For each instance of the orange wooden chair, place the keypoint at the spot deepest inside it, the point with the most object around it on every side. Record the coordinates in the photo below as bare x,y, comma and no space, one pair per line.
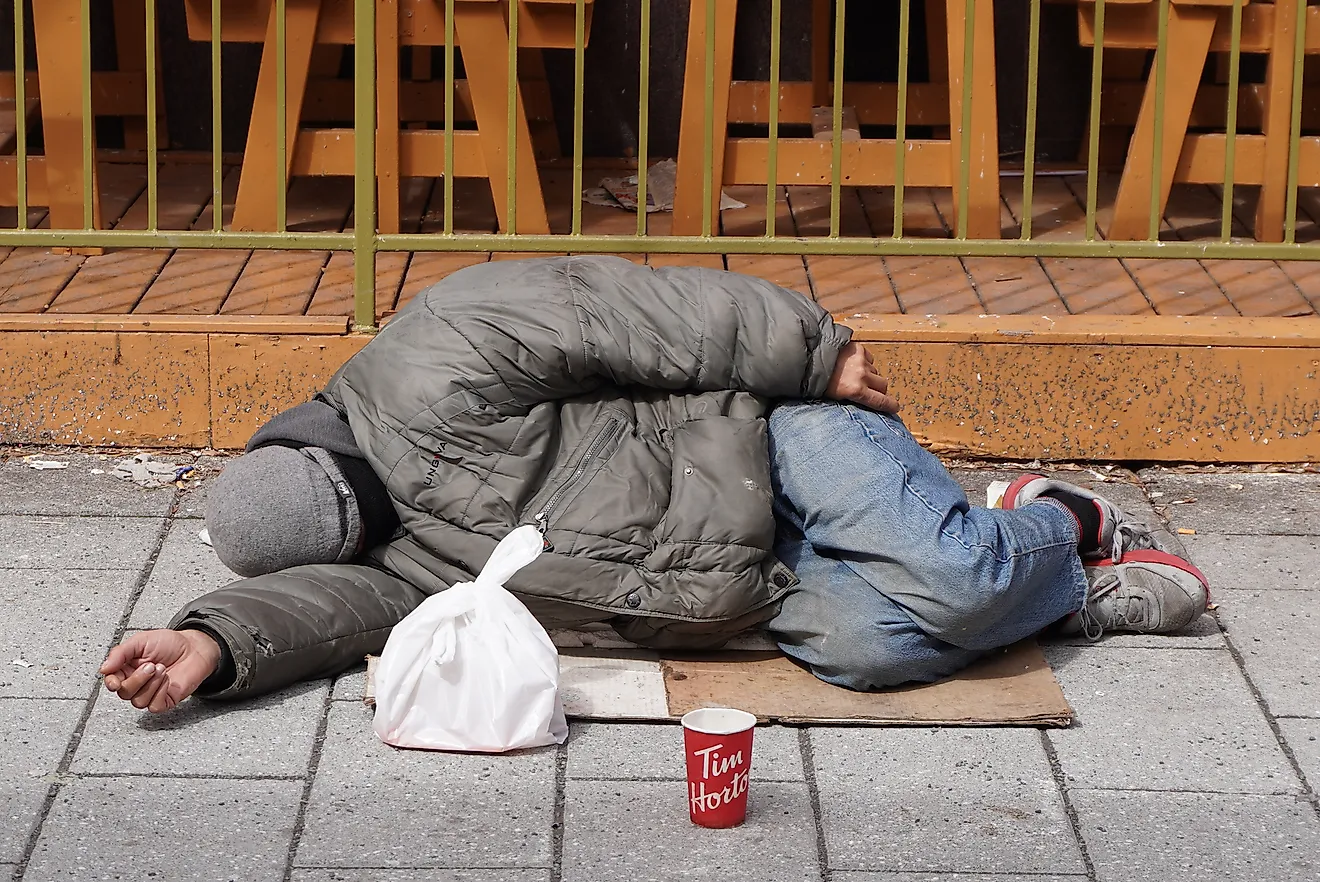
54,95
930,162
1195,30
399,151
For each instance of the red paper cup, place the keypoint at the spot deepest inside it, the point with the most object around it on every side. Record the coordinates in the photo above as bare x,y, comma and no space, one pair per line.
718,745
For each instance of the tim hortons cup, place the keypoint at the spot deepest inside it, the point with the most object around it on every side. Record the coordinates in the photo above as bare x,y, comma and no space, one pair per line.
718,745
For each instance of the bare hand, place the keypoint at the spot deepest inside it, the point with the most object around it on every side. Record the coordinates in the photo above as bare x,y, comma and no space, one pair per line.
855,379
158,669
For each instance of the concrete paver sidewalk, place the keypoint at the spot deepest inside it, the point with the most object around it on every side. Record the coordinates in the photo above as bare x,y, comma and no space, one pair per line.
1193,757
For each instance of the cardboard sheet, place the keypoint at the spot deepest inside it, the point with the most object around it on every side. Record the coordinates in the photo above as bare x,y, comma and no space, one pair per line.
603,677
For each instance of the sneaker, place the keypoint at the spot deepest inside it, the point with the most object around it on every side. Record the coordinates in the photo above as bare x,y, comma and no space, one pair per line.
1119,532
1149,592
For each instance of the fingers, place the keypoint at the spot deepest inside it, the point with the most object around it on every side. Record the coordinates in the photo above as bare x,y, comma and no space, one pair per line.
120,657
876,400
133,684
148,692
877,382
123,660
163,699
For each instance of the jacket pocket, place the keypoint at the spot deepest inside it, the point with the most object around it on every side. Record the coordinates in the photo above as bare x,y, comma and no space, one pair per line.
720,490
567,484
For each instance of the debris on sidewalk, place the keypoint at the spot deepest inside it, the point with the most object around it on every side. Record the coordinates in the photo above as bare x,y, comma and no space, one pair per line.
41,465
205,536
622,192
146,471
22,663
994,494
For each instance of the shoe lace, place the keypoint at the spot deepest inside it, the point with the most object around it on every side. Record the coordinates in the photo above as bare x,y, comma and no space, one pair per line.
1131,535
1129,610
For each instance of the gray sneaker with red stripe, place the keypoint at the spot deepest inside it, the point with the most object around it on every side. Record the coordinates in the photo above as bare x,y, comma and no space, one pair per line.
1149,592
1119,532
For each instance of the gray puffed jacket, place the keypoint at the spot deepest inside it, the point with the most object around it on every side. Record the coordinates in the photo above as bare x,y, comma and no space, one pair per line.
618,407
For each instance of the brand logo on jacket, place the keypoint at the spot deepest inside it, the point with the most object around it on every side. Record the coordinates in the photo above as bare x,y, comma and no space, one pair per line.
436,457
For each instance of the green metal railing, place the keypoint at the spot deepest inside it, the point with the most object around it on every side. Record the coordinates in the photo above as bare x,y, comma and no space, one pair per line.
365,242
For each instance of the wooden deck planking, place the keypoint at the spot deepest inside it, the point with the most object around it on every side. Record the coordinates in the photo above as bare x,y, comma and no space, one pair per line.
282,282
1172,286
114,282
785,270
842,283
1006,285
1304,274
200,281
195,281
922,285
334,294
1086,284
1254,287
474,212
32,278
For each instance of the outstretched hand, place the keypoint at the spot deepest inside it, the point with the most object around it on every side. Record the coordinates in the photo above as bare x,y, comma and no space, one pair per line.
158,669
855,379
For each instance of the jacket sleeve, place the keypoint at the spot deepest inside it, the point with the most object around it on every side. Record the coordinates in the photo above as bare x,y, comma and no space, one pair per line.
525,332
298,624
689,327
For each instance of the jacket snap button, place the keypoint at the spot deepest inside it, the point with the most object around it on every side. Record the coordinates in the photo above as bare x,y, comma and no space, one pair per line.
688,471
780,580
633,601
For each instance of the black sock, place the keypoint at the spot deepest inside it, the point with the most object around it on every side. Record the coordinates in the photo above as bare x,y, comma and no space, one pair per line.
1088,518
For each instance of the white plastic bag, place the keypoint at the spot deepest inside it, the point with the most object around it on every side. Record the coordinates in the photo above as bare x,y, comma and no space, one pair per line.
470,669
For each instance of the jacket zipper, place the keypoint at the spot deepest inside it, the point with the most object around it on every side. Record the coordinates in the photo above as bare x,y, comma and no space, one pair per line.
602,441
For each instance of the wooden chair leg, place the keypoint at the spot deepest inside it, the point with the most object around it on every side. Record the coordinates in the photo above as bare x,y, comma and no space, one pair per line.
691,130
536,86
1120,66
482,27
822,53
254,207
1189,33
983,177
937,59
387,116
58,25
131,49
1277,123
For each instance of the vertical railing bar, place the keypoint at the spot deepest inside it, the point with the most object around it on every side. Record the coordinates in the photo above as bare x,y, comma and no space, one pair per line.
88,121
20,113
965,142
900,123
1157,142
1230,143
1295,126
511,123
153,171
1033,93
643,113
772,155
708,121
449,118
836,145
281,116
364,163
217,142
1093,147
579,88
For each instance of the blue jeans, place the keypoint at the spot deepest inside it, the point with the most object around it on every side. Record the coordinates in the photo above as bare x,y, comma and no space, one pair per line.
901,580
